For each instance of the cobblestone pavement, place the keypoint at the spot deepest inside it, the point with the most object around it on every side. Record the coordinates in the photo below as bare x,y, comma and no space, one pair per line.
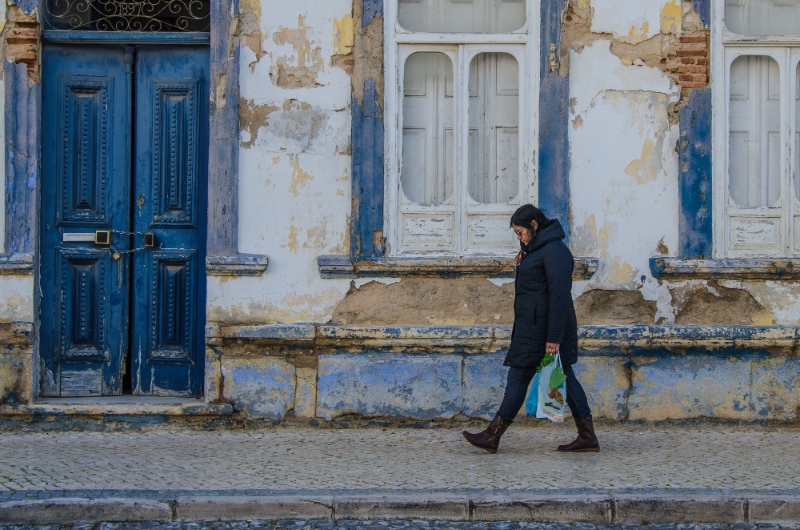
391,525
307,460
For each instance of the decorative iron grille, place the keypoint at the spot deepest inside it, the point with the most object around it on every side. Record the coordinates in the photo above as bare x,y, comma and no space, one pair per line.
128,15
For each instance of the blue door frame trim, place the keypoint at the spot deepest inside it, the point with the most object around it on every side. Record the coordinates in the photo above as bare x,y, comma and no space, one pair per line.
695,158
553,169
22,159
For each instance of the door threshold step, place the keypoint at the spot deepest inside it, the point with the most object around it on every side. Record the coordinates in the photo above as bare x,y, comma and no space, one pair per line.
119,406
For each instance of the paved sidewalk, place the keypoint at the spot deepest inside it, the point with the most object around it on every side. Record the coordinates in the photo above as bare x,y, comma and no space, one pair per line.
672,475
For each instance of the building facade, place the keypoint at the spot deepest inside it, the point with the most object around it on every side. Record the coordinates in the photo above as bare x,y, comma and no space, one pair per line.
255,210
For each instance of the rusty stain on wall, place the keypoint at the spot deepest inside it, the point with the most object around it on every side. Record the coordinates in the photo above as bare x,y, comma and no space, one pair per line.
426,301
614,307
301,70
712,304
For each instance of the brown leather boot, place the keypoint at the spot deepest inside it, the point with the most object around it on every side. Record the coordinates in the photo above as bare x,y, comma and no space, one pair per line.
490,438
586,440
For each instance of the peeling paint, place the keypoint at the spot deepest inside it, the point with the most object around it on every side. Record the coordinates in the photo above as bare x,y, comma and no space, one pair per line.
671,17
301,70
249,28
343,35
252,117
299,176
646,168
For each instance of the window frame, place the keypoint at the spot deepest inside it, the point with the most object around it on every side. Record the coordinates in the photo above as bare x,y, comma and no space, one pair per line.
399,43
727,46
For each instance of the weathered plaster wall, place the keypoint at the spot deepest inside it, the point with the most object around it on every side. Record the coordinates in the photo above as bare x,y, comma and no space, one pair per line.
294,160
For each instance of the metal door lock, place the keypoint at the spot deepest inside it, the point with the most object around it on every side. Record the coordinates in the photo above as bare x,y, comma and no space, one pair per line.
102,237
149,239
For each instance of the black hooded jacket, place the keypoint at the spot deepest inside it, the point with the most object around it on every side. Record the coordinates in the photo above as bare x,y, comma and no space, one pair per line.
543,309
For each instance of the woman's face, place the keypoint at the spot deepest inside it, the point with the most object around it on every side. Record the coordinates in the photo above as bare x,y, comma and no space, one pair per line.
524,234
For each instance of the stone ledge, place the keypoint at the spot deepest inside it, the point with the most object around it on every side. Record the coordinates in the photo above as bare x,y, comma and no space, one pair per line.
491,338
332,267
16,264
733,269
238,265
118,406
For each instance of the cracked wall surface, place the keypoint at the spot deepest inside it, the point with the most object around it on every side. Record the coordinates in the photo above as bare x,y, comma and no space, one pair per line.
311,169
294,160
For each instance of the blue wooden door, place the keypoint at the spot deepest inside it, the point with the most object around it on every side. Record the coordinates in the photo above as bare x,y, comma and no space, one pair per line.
125,136
171,162
86,182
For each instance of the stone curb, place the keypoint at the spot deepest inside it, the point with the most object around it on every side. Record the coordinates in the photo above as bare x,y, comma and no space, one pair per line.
83,510
596,509
238,508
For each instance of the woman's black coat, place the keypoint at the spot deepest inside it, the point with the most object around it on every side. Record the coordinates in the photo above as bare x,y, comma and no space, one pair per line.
543,309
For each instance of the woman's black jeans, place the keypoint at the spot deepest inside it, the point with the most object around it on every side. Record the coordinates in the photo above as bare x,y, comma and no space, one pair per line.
517,391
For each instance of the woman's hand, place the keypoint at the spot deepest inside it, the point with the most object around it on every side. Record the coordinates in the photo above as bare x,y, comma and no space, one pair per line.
551,348
518,258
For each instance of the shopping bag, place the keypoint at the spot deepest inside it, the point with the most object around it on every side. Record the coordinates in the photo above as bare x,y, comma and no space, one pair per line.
552,389
533,397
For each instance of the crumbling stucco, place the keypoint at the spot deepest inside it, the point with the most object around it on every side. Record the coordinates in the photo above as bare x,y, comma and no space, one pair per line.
20,39
252,117
677,46
712,304
250,29
300,70
428,301
602,307
343,42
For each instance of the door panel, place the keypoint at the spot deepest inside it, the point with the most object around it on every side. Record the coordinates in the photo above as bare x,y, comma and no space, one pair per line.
170,175
85,182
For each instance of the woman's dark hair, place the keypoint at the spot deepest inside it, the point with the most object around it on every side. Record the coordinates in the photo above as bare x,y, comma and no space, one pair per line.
527,214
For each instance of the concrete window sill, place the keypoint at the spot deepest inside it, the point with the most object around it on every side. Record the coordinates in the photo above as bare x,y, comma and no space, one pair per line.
343,267
16,264
599,339
238,265
733,269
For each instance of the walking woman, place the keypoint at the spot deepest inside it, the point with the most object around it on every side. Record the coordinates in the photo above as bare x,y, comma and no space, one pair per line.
544,322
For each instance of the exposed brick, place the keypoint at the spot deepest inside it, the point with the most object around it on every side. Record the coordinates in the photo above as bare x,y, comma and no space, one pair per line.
697,38
700,77
15,40
702,60
686,77
689,60
692,53
692,69
692,84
